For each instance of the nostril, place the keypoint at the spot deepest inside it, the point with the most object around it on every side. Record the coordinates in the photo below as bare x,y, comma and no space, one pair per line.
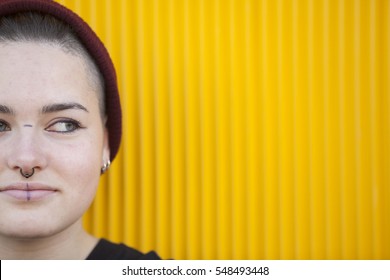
27,174
25,150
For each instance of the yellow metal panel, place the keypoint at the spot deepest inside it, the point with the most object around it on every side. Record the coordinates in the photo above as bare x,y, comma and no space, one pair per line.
332,111
131,170
239,128
193,128
178,129
163,153
255,170
301,133
253,129
223,138
384,86
271,129
146,18
286,129
208,130
316,129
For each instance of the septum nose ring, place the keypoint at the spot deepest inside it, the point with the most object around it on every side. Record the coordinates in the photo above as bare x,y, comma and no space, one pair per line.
27,175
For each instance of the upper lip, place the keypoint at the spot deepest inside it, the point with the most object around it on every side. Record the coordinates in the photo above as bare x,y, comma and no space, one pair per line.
27,187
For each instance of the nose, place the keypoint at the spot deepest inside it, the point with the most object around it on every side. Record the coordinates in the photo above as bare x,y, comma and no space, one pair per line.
25,152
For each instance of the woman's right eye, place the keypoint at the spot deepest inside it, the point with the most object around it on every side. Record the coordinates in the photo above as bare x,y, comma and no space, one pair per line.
4,126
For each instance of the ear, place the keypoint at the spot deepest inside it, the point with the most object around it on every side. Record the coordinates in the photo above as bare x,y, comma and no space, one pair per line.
106,147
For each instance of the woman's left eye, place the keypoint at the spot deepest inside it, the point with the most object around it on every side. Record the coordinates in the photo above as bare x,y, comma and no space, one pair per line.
64,126
4,126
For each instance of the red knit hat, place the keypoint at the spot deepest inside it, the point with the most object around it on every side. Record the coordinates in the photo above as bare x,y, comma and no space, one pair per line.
95,48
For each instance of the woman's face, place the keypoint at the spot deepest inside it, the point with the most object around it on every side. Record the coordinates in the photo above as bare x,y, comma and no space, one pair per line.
49,121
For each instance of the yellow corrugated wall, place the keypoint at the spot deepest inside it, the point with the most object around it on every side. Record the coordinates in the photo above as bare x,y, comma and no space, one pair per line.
252,129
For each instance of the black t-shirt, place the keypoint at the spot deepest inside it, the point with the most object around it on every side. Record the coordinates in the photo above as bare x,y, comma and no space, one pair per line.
106,250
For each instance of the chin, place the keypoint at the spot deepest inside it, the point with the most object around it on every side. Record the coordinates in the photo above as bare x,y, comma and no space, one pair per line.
30,229
28,233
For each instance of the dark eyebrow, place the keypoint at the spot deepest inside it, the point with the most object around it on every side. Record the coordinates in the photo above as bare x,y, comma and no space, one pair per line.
52,108
6,110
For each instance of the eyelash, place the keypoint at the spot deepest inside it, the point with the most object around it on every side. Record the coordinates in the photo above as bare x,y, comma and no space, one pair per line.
75,123
4,126
76,126
7,126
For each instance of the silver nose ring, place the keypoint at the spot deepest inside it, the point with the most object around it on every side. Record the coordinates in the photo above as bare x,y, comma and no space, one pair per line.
27,175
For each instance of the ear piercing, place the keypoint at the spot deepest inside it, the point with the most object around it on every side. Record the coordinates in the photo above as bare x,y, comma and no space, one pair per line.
27,175
105,167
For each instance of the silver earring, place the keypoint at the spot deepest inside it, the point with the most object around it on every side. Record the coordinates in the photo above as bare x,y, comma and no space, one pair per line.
27,175
105,167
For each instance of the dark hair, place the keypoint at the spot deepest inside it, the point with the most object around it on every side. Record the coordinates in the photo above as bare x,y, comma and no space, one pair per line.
38,27
78,31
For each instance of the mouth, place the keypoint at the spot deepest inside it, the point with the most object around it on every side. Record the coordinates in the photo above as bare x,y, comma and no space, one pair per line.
27,191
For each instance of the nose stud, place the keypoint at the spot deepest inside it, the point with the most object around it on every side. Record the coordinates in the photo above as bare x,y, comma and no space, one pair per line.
27,175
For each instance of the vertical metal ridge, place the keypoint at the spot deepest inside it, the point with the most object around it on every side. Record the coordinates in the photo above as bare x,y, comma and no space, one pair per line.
357,122
178,144
286,128
386,88
263,148
148,128
301,181
341,57
255,123
375,122
333,119
224,172
310,122
208,129
349,135
194,118
128,75
279,124
294,91
162,99
325,61
238,95
232,131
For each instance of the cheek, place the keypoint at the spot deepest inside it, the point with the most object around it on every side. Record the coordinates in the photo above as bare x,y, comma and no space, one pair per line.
79,179
79,165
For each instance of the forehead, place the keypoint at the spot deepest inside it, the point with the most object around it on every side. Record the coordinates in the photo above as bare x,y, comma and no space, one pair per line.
32,71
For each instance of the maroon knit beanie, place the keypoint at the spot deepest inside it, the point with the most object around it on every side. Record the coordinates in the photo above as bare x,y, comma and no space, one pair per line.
95,48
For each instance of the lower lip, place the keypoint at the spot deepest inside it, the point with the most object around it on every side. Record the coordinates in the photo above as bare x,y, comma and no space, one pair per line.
30,195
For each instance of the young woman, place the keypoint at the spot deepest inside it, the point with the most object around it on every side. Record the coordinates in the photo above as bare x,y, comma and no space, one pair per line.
60,126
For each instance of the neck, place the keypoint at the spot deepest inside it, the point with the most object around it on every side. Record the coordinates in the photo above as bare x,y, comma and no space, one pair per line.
71,243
